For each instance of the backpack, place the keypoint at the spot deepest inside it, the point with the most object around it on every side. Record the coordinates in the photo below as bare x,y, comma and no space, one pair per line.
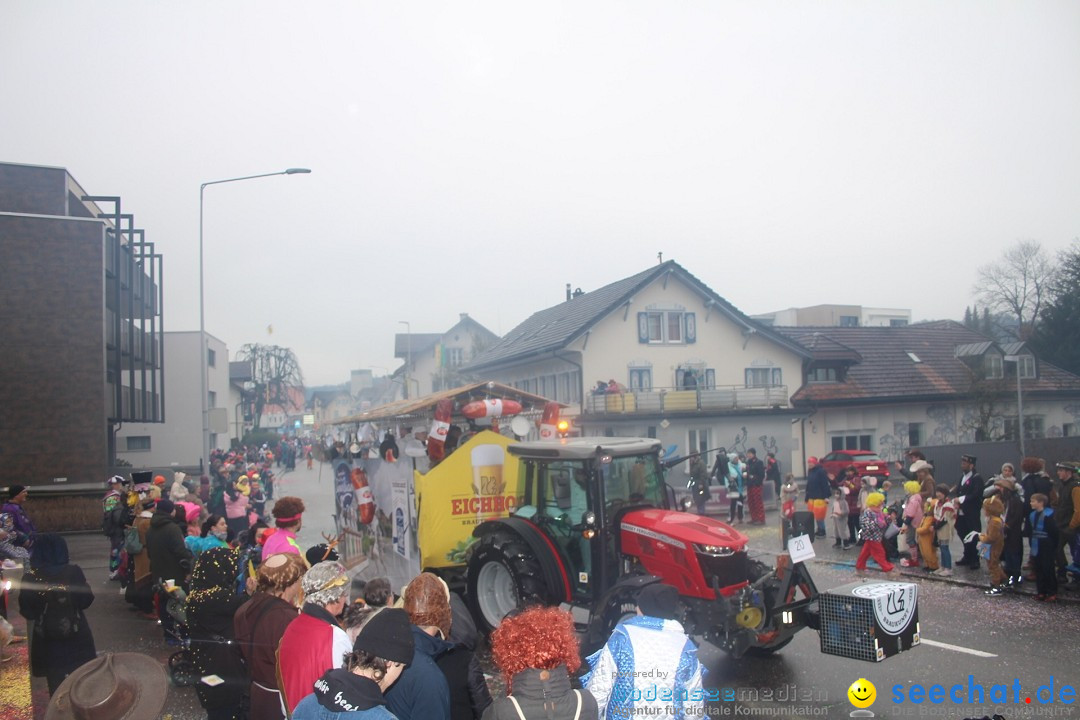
60,619
132,544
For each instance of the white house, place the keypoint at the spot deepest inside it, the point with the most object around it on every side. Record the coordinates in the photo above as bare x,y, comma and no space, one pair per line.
694,371
936,383
178,440
836,316
433,360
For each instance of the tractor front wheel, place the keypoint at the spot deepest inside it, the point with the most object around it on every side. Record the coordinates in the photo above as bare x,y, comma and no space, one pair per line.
503,576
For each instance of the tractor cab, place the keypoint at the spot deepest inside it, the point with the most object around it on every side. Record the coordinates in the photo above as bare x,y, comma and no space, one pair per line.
577,497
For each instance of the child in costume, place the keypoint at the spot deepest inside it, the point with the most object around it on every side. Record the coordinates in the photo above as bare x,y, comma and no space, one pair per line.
838,511
927,536
944,519
789,491
1044,542
8,549
993,542
872,523
913,516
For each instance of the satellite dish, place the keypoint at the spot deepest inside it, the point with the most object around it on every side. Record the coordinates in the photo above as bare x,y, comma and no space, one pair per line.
520,426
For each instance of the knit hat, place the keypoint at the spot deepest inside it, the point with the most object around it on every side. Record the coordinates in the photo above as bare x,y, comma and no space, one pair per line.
159,480
14,490
427,601
387,635
325,583
165,507
659,600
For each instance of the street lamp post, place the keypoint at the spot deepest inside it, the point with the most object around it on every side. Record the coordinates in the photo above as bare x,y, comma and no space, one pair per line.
408,353
1019,401
204,461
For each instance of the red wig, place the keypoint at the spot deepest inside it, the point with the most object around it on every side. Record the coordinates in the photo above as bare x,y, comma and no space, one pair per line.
541,638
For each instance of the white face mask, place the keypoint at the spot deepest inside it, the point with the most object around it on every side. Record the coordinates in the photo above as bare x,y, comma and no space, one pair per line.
220,534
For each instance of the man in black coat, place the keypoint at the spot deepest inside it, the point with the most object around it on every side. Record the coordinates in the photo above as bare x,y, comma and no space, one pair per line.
969,497
817,488
169,558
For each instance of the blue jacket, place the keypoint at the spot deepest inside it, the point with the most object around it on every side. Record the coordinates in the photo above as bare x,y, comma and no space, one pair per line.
421,693
340,695
817,484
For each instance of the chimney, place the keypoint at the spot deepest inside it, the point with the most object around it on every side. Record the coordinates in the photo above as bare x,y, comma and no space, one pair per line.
462,316
567,291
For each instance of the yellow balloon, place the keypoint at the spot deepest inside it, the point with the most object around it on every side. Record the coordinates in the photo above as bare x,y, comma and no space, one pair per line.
862,693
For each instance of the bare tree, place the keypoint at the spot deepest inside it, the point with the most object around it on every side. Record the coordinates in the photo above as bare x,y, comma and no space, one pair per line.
1017,285
275,372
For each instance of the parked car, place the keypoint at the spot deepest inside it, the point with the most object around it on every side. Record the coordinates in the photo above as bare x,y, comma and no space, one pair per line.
865,462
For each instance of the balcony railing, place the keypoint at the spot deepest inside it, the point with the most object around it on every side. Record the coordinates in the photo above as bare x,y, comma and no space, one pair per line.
677,400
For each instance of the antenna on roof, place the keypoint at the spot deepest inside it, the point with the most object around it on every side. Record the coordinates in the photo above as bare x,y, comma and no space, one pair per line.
660,258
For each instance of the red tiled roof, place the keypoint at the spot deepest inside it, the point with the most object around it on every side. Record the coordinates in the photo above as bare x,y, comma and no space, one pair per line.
912,361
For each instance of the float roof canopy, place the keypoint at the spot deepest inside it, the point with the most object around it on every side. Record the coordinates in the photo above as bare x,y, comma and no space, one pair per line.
423,407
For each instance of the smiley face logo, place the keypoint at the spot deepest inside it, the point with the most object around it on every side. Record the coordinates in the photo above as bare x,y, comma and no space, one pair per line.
862,693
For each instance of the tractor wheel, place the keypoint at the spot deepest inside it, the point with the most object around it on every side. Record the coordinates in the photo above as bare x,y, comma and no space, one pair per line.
620,606
503,576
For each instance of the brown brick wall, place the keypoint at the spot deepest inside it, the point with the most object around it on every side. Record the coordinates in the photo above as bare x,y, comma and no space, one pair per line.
32,190
52,361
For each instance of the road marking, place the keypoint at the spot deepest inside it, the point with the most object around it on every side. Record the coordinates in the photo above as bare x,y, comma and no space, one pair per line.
956,648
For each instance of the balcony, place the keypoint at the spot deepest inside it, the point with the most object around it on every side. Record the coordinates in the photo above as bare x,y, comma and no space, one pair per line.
663,401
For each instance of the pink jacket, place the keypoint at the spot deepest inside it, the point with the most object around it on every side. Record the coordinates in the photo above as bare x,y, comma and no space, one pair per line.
914,509
236,508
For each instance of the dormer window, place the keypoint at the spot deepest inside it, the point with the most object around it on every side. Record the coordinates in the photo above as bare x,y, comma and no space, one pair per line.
823,374
993,366
1026,367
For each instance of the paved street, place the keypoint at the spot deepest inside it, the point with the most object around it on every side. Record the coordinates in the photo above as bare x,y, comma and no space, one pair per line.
997,640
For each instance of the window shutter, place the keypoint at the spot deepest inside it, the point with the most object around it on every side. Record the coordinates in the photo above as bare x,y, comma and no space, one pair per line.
643,327
691,327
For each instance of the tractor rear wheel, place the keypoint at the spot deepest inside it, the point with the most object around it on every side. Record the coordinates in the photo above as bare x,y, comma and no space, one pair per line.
503,576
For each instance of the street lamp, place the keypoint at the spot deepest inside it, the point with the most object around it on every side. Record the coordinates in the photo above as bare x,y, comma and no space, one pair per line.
204,460
408,353
1019,400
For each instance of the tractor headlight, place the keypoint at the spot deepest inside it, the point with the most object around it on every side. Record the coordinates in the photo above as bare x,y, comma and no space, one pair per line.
714,550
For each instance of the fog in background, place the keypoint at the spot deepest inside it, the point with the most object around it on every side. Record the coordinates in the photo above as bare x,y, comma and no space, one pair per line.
477,156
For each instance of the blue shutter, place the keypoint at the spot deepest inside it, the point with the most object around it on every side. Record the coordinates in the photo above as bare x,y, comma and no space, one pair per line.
691,327
643,327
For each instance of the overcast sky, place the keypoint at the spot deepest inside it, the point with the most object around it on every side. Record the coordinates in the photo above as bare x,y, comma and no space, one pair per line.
477,156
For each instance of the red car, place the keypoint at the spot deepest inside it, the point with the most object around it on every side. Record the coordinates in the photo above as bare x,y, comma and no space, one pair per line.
865,462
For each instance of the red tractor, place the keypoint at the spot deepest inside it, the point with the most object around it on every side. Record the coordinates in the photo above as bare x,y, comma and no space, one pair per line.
596,524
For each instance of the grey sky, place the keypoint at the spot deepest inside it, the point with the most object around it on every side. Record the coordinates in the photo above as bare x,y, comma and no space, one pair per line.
477,156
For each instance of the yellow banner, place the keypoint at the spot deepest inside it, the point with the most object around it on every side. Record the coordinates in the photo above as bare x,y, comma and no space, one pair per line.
477,482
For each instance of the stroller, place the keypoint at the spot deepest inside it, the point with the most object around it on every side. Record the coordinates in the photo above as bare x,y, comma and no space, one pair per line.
181,667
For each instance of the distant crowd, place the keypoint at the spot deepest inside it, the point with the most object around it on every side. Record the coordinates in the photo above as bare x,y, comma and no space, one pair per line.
991,519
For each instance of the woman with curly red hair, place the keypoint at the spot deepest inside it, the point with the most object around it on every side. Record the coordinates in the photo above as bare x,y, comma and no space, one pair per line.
537,651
